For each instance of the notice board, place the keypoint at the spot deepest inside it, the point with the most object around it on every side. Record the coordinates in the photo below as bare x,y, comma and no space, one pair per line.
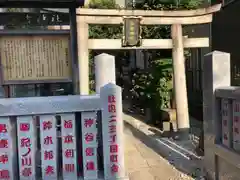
35,58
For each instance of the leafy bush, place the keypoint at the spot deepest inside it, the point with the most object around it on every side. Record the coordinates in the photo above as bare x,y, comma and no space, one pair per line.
102,4
153,88
168,4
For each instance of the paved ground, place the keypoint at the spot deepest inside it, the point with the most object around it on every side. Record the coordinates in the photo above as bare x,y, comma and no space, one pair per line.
143,163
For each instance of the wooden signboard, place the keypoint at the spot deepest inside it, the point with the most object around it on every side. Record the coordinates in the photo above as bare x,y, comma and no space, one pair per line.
37,58
132,32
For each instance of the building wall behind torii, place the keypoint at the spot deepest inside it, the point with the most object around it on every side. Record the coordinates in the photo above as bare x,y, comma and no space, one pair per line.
194,68
224,36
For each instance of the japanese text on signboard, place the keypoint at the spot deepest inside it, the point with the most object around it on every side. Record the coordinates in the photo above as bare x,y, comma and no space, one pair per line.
131,32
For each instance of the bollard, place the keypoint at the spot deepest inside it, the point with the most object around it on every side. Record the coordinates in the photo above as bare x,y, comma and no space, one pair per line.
104,70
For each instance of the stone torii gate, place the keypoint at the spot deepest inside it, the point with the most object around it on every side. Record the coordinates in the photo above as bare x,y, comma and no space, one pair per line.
174,18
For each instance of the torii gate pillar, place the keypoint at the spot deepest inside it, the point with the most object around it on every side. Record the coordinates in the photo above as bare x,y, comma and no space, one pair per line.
179,78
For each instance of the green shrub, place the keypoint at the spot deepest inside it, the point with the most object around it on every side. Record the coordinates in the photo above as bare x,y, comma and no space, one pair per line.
153,88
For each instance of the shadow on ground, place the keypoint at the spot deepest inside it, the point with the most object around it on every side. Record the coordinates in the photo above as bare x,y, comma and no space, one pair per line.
184,162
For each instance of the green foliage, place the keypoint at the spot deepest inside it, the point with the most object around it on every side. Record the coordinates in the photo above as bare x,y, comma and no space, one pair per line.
104,31
13,9
153,87
168,4
103,4
164,30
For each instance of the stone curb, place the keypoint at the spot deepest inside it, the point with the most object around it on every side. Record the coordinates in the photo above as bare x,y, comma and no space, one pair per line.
143,127
137,124
149,131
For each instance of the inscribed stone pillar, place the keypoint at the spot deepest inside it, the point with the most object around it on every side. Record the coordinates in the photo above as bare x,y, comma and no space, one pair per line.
216,73
112,132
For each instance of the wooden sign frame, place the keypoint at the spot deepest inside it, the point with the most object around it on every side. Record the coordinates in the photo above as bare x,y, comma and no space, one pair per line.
48,68
131,29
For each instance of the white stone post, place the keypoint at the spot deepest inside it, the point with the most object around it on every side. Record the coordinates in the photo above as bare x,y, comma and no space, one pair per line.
69,146
216,73
89,145
179,78
8,152
83,55
104,70
104,74
112,132
27,147
49,147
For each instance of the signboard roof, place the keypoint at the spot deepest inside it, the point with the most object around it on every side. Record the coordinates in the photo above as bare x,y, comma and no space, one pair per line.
42,3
